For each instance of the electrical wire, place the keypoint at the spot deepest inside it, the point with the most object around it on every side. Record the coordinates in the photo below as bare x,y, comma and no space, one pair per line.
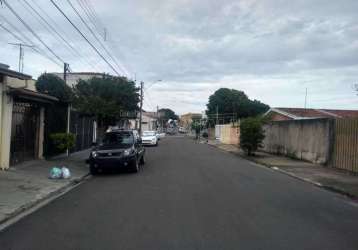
32,31
84,37
90,17
53,31
149,98
60,30
95,36
38,50
99,27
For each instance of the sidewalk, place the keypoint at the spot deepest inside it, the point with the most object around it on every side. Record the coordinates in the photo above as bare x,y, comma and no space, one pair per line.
328,178
27,184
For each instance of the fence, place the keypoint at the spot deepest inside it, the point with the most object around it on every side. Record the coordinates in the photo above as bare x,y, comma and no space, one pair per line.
82,127
227,134
307,139
345,146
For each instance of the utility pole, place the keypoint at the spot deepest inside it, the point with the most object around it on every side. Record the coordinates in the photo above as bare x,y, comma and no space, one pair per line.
217,114
141,106
21,54
157,117
65,71
66,67
306,99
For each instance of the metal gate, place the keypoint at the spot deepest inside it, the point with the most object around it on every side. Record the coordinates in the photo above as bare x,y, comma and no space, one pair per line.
24,132
82,128
345,148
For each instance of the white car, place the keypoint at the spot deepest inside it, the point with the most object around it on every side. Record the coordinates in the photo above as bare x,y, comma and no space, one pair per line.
150,138
182,130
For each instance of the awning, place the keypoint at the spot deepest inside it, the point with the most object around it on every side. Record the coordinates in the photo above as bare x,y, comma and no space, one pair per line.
32,95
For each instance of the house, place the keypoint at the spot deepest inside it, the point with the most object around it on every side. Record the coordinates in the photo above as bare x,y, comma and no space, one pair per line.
187,119
22,118
283,114
149,121
73,77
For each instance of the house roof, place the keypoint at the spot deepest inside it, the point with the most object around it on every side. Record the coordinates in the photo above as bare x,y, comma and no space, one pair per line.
302,113
12,73
32,95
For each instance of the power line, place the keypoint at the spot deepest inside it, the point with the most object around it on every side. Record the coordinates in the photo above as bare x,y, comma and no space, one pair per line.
99,27
32,31
148,96
84,37
93,14
58,27
91,18
52,30
94,35
38,50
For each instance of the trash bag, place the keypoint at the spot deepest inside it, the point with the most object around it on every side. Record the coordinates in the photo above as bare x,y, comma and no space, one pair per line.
55,173
65,173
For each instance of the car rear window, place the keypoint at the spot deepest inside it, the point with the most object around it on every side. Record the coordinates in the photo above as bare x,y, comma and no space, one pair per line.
121,138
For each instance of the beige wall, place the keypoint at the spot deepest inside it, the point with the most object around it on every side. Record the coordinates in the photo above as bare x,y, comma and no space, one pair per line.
228,134
308,139
148,123
17,83
187,119
6,107
6,118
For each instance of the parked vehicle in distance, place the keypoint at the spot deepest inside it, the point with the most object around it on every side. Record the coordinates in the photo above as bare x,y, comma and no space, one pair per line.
171,130
182,130
150,138
119,149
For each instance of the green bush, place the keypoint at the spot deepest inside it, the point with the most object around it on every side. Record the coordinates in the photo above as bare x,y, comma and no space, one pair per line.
63,141
251,134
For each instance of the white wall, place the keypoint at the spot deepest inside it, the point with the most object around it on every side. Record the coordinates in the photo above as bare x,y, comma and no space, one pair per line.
6,118
148,123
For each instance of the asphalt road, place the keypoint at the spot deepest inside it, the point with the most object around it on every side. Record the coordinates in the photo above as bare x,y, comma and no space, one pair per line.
190,196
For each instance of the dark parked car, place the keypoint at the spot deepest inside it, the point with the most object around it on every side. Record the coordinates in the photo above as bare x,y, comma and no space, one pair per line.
119,149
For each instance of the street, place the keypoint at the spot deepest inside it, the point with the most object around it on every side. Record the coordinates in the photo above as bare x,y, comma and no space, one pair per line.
190,196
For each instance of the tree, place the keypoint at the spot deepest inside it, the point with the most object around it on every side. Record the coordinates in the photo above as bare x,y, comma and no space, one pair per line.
166,114
106,98
251,134
233,103
53,85
56,114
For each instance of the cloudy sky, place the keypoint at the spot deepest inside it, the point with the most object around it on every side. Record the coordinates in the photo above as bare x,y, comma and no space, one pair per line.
271,49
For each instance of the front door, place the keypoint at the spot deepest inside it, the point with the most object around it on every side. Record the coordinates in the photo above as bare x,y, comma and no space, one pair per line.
24,132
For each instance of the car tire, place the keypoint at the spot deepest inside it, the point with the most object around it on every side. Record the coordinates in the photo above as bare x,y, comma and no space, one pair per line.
135,166
142,160
93,170
156,144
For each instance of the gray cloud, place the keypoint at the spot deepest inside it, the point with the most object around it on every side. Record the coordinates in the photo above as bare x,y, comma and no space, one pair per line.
270,49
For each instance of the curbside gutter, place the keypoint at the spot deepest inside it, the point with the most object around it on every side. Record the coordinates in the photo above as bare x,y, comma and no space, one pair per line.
21,212
317,184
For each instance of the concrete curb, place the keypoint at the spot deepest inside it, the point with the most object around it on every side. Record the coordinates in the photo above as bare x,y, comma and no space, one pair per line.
34,203
317,184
